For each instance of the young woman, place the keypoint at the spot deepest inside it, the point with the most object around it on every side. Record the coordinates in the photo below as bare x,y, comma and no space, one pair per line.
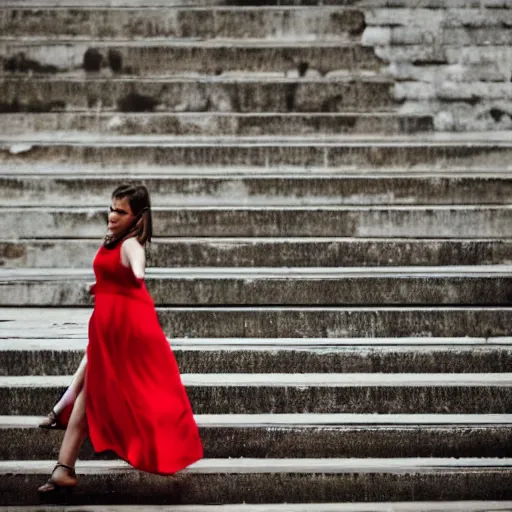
127,394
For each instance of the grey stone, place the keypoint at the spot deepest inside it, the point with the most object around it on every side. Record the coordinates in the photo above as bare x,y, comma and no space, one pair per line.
329,322
162,152
279,189
191,123
286,399
260,252
297,442
173,22
136,488
256,94
284,359
163,57
460,222
277,322
259,288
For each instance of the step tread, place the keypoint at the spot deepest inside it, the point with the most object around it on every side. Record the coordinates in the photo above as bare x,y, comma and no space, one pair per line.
84,171
306,380
260,273
169,42
228,77
317,208
473,139
409,506
271,239
305,420
20,344
259,173
220,115
350,465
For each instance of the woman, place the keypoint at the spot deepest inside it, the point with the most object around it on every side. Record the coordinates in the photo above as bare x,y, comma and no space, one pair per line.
127,394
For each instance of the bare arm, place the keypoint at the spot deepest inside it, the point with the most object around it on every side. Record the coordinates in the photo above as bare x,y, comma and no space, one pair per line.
133,255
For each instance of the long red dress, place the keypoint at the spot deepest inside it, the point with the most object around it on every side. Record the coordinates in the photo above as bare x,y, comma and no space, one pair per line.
136,404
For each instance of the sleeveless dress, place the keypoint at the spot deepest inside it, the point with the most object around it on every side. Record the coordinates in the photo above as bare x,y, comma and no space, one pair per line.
136,404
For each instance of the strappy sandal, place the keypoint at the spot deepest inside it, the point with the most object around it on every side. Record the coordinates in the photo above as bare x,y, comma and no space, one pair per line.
51,422
52,486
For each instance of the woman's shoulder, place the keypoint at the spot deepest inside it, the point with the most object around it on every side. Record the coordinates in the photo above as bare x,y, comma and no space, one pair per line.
132,245
132,242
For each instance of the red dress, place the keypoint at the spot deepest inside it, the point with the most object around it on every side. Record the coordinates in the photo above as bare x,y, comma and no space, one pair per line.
136,404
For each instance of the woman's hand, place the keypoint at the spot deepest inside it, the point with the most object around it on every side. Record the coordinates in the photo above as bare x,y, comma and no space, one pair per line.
91,287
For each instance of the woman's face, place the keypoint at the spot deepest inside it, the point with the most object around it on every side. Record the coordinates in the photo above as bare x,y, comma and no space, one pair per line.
120,217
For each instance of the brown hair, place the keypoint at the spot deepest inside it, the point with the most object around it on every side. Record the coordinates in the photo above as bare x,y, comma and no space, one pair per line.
140,204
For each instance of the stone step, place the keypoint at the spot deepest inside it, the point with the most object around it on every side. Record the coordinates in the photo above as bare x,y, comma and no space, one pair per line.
270,252
277,322
302,436
165,56
175,22
213,481
412,506
455,222
283,189
56,356
435,151
207,123
183,95
487,285
406,393
431,4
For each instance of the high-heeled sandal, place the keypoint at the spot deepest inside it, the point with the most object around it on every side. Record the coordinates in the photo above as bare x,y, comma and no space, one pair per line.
51,422
52,486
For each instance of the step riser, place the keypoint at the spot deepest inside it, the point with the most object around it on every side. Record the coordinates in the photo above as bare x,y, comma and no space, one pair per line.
247,253
170,192
17,4
205,124
217,154
35,444
278,323
380,223
32,95
325,323
135,488
181,23
328,359
290,400
164,60
491,291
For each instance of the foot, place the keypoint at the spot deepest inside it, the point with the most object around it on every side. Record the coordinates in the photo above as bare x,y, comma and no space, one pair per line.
62,477
51,422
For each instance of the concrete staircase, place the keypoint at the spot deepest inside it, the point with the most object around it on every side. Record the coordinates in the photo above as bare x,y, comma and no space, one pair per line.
334,276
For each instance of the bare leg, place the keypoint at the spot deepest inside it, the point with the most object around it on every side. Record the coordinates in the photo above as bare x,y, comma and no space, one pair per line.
73,438
68,398
74,388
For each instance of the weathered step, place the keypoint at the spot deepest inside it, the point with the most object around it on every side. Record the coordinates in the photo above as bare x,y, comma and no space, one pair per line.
277,322
175,22
482,393
213,481
302,436
455,222
269,252
487,285
55,356
412,506
322,152
240,93
433,4
207,123
283,189
163,56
